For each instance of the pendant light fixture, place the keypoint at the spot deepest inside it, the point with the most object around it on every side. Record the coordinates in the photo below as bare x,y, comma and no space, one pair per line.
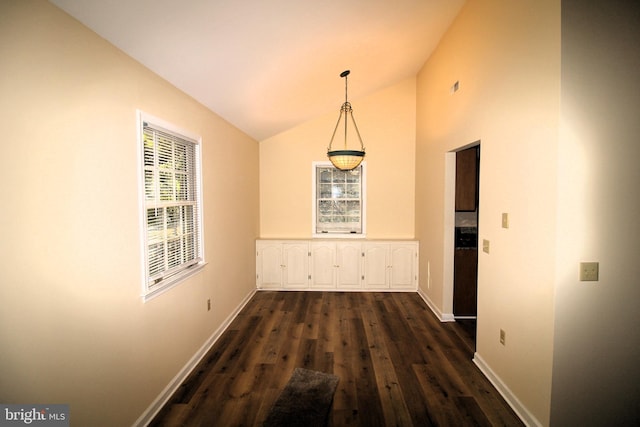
345,159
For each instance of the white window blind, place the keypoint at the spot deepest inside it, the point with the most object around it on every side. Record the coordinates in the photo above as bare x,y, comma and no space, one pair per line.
173,230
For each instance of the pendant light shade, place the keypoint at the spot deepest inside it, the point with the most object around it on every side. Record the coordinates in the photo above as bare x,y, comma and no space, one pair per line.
346,159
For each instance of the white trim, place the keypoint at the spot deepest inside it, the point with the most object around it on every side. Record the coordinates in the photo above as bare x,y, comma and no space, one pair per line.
141,203
523,413
155,407
338,236
345,289
141,118
443,317
449,227
171,282
363,206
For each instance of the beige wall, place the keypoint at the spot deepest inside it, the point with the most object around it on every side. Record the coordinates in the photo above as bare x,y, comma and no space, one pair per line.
386,120
506,57
597,341
73,328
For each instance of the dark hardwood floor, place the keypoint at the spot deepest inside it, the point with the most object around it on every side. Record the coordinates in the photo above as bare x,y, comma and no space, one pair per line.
398,365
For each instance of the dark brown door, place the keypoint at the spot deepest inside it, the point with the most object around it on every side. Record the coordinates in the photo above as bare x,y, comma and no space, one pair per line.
465,275
465,279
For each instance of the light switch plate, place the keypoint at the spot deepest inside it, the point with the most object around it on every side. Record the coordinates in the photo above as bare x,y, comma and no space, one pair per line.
485,245
589,271
505,220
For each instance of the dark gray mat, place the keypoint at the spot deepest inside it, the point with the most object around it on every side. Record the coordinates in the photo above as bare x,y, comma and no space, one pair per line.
305,400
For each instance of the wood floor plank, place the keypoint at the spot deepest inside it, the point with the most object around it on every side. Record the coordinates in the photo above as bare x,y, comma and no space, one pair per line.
188,388
313,316
403,351
324,344
394,406
367,396
470,412
345,396
441,404
278,323
397,364
287,361
244,407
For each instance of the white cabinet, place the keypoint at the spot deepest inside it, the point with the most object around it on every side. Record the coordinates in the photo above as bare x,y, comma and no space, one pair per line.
403,271
269,265
282,264
323,265
376,265
390,265
349,261
336,265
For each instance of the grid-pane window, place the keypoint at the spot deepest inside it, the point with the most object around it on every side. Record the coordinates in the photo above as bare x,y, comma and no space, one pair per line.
172,220
338,200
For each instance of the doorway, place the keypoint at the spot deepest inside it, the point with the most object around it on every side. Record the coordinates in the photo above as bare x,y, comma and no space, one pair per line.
465,257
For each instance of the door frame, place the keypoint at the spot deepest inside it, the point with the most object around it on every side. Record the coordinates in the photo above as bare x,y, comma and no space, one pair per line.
449,229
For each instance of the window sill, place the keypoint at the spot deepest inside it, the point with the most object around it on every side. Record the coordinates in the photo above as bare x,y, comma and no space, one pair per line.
339,236
172,282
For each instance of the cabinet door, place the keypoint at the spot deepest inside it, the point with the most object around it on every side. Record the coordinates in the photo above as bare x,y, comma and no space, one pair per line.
349,262
402,271
323,265
269,265
376,265
467,179
295,265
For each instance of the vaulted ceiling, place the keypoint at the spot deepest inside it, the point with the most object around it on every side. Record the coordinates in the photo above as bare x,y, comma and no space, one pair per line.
269,65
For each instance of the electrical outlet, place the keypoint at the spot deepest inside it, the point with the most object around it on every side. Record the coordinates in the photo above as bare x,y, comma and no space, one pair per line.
209,304
503,336
589,271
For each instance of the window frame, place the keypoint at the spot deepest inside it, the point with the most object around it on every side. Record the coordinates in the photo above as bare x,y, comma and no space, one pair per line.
314,202
149,288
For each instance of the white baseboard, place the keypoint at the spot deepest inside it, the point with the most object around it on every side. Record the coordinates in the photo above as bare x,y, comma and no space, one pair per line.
527,417
155,407
444,317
